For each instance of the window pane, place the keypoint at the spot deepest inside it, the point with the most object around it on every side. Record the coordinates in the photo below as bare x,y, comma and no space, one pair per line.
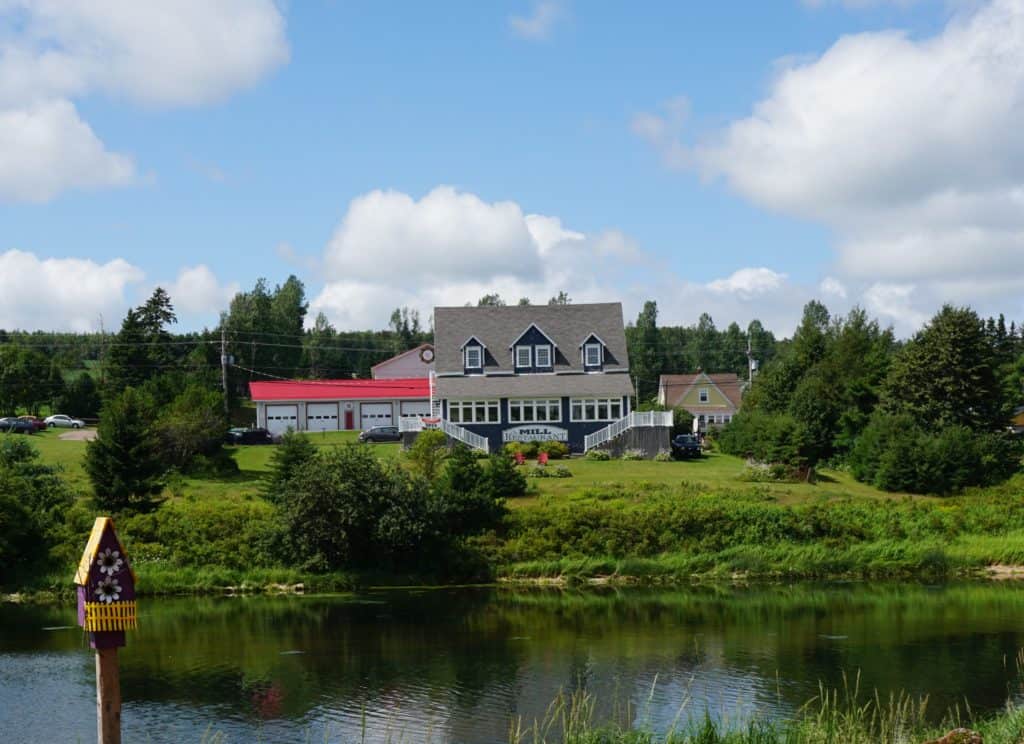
493,412
593,355
615,409
455,413
522,356
481,413
602,409
577,410
543,356
513,411
554,410
528,412
542,411
591,410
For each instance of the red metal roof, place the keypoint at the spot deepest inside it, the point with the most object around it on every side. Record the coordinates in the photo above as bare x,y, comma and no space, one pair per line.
414,387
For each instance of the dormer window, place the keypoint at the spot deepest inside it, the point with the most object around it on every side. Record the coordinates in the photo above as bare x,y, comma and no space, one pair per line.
474,357
542,356
592,355
524,356
703,395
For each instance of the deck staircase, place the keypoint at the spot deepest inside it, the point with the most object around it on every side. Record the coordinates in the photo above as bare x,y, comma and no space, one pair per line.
456,432
629,421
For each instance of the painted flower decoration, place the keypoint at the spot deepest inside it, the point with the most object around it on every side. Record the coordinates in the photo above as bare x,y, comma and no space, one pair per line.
108,590
109,561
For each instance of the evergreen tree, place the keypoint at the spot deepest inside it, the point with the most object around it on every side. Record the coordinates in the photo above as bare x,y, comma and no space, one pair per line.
947,375
645,351
294,454
124,462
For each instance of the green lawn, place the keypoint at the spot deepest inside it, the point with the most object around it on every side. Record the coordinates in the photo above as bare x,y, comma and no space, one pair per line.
591,479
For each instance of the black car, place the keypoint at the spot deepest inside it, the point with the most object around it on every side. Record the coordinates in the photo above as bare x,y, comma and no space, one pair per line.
12,425
685,446
249,436
381,434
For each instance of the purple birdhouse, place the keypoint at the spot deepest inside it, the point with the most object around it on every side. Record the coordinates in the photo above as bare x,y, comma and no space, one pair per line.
106,588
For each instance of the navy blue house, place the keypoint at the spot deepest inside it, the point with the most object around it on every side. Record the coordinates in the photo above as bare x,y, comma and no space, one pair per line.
532,373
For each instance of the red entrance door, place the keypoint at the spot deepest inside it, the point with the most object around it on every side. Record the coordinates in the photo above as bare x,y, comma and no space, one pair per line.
349,422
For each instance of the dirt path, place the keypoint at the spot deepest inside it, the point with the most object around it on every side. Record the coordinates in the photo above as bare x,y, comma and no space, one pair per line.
84,435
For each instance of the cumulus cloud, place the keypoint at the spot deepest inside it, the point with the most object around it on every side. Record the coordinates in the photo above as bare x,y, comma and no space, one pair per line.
185,53
539,24
47,148
449,247
62,293
198,293
832,287
908,149
663,129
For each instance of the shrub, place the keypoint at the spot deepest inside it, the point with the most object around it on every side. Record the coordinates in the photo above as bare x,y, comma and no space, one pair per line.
768,438
428,453
596,454
503,480
538,471
663,457
554,450
633,454
561,472
294,453
192,425
526,449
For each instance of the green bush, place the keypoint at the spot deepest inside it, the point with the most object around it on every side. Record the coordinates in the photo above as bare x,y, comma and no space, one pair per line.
294,453
596,454
504,480
526,449
768,438
554,450
428,453
663,457
633,454
894,453
193,425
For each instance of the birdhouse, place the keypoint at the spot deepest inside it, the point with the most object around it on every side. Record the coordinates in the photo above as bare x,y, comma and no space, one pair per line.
106,588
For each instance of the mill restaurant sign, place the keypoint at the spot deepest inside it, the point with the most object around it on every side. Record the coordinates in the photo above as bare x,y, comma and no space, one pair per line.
535,433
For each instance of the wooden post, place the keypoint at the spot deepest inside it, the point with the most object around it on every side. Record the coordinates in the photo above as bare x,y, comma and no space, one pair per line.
108,697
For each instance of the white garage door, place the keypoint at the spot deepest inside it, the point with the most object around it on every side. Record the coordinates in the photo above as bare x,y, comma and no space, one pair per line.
415,408
375,414
322,416
279,418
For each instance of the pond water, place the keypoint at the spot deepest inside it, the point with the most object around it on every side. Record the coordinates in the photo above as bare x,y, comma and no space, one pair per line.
459,665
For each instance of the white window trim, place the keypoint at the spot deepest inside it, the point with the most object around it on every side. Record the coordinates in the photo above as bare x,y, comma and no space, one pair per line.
536,356
480,356
703,395
586,354
470,406
533,403
609,402
529,357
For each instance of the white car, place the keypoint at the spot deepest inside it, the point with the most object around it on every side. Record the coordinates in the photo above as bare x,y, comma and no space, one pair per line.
61,420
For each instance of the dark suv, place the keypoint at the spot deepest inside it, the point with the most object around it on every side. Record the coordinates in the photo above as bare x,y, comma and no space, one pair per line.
685,446
249,436
381,434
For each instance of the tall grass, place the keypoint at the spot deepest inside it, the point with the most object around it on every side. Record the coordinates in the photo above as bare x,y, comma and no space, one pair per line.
837,716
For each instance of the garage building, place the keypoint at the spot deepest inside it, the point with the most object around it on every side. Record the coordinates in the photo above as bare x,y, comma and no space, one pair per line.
333,405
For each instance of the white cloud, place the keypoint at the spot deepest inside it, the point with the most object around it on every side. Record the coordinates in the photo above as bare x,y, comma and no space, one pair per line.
450,247
185,53
833,287
62,293
445,236
908,149
539,23
662,131
894,302
46,148
748,283
197,292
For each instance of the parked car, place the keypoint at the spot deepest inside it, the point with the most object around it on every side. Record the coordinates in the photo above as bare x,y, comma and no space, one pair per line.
14,425
381,434
242,435
36,422
685,446
66,421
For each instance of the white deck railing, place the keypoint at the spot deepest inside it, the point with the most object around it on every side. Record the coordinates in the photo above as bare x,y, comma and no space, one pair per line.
470,439
633,420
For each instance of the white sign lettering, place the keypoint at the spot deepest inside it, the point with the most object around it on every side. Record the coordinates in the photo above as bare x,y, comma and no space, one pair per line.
535,433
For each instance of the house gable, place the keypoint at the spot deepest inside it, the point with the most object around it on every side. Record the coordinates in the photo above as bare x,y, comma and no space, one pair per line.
701,391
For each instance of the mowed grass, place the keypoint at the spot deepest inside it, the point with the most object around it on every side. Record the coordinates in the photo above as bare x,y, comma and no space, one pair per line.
590,478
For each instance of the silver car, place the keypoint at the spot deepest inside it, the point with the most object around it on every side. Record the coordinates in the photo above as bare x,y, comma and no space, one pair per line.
61,420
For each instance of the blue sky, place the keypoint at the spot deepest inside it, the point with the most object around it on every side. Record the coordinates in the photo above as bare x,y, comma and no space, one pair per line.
734,157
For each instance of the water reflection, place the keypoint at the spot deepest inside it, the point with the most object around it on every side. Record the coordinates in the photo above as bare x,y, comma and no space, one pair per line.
451,665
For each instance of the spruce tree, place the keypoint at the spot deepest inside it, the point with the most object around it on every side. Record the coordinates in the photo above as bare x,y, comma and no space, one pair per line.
124,462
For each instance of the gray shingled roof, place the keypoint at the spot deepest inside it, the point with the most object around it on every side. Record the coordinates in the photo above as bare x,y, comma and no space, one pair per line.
497,328
614,384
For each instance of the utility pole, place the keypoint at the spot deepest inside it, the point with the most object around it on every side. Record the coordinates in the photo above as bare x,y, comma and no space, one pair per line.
751,364
224,365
